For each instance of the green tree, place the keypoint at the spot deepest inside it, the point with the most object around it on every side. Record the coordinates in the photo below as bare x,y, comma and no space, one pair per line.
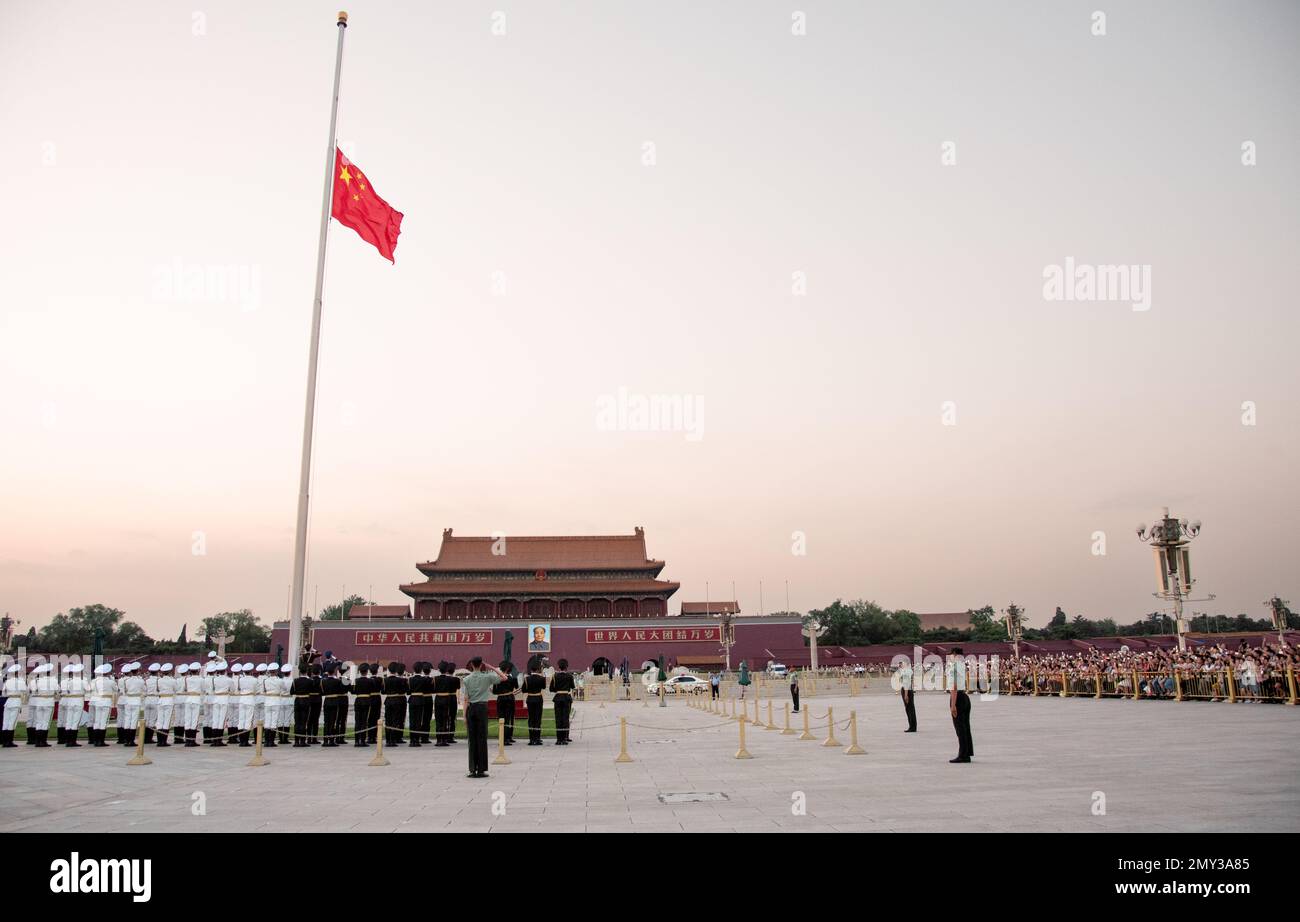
75,631
339,610
245,634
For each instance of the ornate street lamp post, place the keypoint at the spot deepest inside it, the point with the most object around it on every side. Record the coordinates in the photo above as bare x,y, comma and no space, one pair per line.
1280,611
1169,538
1015,624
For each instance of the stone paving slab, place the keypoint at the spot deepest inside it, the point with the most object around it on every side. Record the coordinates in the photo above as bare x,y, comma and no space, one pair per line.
1161,766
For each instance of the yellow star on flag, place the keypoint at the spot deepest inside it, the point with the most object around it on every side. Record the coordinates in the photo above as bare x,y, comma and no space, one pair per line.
345,175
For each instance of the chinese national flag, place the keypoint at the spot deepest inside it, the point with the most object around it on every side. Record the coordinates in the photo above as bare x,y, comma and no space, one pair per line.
356,205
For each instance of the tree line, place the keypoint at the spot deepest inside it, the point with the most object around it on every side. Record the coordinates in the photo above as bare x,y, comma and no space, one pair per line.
863,623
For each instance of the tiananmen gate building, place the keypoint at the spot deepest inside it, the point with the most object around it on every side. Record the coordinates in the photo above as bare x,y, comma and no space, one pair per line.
597,599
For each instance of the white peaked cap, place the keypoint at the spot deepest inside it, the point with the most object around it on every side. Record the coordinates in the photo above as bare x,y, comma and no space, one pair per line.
14,668
76,667
286,669
135,665
167,667
154,667
212,654
105,669
43,668
194,667
211,667
182,668
221,664
261,667
68,668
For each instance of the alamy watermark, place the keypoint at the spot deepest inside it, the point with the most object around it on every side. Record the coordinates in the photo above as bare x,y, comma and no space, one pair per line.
1084,282
624,411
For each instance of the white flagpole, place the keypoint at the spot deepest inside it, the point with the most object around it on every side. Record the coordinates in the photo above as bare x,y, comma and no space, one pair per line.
304,478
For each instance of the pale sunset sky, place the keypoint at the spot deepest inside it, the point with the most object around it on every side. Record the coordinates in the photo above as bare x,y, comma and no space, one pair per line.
823,226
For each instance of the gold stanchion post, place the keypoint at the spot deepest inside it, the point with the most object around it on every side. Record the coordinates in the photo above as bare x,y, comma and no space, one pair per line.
854,749
830,729
787,731
742,752
1178,685
1232,687
771,724
1098,678
501,757
1035,692
379,761
806,734
258,761
622,741
1290,684
1064,685
1136,692
140,758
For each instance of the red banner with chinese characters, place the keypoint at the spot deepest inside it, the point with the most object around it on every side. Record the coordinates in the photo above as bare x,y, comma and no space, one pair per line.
654,635
418,638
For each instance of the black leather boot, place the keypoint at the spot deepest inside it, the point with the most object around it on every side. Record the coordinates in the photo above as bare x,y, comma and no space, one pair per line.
162,738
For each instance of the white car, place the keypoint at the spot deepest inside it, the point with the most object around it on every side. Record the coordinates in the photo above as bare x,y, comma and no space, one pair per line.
777,671
680,684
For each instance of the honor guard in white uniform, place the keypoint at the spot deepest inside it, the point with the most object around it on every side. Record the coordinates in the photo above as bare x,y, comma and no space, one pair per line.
72,701
192,701
259,695
270,682
102,688
217,687
285,718
165,686
40,704
151,701
247,701
15,689
205,718
129,703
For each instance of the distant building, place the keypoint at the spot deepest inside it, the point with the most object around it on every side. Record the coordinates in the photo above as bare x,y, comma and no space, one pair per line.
711,609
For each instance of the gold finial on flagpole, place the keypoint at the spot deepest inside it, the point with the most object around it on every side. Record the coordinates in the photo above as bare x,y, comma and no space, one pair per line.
343,17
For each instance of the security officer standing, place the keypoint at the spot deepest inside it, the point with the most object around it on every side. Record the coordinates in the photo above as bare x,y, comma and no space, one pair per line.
301,710
794,690
562,686
505,692
445,686
534,688
396,687
959,705
419,687
908,693
334,699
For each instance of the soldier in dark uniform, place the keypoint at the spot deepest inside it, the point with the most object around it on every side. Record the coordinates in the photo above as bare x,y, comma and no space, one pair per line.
534,688
419,688
562,686
361,707
396,687
505,692
334,704
301,689
445,686
794,691
313,717
426,714
376,705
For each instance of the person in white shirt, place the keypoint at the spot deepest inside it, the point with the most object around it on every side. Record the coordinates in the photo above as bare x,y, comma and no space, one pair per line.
129,703
102,689
247,696
959,705
285,720
217,687
166,703
151,701
15,688
40,704
904,686
72,700
192,702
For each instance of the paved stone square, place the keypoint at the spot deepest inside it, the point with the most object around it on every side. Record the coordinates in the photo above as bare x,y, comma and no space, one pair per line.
1161,765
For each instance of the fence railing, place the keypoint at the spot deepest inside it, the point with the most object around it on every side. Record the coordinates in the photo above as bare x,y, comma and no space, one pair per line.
1277,686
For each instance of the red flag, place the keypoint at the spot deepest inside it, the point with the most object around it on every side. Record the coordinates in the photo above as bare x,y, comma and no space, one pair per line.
356,205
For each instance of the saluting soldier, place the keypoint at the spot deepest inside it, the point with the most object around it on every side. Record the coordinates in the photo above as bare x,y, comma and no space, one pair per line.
396,688
478,689
534,689
562,686
419,690
15,687
505,692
